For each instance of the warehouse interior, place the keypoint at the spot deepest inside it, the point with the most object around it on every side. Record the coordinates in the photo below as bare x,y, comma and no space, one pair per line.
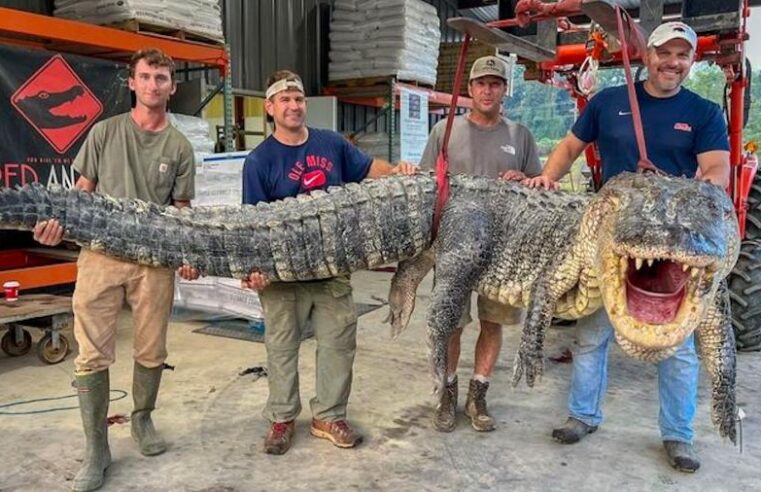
362,63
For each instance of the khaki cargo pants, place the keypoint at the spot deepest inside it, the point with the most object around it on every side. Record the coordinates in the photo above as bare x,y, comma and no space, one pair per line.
287,306
103,285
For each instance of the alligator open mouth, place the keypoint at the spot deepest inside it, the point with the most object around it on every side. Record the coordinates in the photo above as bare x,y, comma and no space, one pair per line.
655,289
655,301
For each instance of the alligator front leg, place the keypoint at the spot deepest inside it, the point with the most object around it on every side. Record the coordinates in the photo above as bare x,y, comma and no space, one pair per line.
530,357
401,297
463,249
716,346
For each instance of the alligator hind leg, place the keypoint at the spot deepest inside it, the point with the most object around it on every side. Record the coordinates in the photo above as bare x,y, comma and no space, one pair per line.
463,249
401,297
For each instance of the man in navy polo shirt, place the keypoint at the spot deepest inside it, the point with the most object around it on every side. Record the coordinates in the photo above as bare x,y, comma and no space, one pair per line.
685,134
296,159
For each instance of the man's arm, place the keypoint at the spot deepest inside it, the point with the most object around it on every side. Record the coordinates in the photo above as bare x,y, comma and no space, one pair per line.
559,163
187,272
50,232
380,168
85,184
714,167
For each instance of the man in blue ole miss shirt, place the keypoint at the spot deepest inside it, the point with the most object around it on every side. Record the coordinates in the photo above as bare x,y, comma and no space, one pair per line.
297,159
684,133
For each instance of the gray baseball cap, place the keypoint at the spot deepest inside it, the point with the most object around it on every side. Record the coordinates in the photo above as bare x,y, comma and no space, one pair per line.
488,65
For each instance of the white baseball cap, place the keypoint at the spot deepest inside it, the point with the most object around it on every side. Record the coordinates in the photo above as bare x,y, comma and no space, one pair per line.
488,65
672,30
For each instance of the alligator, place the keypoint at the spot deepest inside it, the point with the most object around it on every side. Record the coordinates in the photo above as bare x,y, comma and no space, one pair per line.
654,251
40,106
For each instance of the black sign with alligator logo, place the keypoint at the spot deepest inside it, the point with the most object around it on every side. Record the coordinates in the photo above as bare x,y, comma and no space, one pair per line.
50,103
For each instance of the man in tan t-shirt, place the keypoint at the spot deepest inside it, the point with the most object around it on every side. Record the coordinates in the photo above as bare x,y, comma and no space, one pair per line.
482,143
133,155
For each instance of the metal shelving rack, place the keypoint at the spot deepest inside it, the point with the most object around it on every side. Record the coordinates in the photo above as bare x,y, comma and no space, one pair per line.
383,93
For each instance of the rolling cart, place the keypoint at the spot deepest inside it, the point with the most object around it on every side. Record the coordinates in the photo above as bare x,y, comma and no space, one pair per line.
45,312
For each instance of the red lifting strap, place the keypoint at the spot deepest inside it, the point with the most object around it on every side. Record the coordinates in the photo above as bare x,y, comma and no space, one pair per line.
442,162
635,37
525,10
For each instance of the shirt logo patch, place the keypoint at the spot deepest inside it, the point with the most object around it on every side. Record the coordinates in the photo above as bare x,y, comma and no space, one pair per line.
507,148
624,113
163,167
312,180
685,127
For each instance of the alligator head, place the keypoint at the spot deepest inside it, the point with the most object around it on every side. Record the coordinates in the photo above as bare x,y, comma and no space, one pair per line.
663,247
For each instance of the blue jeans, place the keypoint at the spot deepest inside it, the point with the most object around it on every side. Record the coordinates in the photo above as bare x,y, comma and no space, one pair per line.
677,380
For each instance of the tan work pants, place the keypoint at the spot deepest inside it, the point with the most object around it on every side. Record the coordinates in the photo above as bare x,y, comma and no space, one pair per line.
103,285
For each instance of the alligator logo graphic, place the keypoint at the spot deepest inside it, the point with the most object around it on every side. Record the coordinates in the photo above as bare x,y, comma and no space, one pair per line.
57,104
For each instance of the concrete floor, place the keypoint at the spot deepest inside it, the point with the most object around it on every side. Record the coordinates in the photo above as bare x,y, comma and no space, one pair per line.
212,418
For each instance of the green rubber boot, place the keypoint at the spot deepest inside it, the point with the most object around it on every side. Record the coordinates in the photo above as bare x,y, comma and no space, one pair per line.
145,389
93,392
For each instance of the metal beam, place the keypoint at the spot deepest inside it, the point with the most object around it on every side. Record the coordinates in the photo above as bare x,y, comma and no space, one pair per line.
604,13
53,30
474,4
501,40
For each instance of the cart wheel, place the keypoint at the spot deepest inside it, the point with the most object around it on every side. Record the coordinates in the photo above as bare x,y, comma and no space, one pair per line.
48,353
9,345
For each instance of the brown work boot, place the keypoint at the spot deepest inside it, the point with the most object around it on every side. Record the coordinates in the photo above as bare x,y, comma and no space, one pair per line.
279,438
338,432
475,407
444,419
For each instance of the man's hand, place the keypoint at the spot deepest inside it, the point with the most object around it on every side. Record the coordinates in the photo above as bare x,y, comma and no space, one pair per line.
512,175
541,182
404,167
256,281
187,272
48,232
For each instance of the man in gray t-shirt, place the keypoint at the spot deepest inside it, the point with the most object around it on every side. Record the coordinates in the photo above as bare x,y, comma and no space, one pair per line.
482,143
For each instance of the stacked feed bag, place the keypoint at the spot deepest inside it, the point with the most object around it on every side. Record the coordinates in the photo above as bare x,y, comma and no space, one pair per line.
196,130
219,179
217,295
370,38
449,56
200,17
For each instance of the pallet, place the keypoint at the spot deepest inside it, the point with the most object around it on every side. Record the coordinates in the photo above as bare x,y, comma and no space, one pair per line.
367,87
365,82
143,27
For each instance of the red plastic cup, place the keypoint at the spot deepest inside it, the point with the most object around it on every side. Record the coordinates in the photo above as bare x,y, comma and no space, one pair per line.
11,289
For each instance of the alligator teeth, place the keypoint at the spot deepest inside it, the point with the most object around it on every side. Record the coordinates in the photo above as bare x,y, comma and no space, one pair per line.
638,263
685,266
650,262
694,272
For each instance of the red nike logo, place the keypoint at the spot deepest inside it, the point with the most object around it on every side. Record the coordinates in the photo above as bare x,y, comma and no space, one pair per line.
312,180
